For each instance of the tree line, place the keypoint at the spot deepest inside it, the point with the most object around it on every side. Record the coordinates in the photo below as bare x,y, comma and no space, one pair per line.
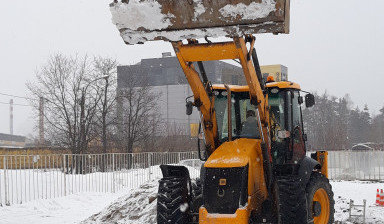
336,124
84,111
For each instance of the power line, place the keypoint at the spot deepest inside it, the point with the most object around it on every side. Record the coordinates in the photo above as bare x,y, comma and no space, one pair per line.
15,104
21,97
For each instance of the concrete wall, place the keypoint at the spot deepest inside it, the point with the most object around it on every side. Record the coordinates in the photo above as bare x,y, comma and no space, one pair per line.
172,108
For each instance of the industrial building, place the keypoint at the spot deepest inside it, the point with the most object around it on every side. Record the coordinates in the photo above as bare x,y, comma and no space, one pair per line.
168,81
12,141
279,72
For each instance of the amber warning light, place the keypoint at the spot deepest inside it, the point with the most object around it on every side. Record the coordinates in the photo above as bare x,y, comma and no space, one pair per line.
223,182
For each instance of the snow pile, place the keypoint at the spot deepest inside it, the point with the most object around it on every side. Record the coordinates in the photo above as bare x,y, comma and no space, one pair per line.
138,13
253,11
138,207
133,37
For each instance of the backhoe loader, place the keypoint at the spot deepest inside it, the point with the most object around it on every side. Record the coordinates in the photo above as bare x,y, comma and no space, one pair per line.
256,169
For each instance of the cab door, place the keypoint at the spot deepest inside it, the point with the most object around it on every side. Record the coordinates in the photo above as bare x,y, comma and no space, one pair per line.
297,131
287,134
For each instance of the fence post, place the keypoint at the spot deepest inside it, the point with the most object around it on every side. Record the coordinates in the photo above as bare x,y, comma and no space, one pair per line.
113,173
179,157
1,197
149,166
65,177
354,165
5,181
378,158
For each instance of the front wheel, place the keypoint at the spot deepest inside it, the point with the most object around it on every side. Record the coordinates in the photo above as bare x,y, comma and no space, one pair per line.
321,205
172,201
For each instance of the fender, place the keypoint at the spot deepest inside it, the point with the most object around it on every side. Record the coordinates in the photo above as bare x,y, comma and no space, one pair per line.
307,165
174,171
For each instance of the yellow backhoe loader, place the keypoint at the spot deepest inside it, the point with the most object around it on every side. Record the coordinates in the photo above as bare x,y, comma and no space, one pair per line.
256,169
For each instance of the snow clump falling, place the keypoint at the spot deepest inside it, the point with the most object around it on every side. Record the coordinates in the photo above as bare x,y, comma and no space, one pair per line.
184,207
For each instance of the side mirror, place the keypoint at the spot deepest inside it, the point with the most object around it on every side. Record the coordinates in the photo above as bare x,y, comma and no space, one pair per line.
309,100
189,107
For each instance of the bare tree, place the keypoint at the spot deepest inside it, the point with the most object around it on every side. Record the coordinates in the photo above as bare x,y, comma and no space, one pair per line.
137,111
72,95
106,67
177,139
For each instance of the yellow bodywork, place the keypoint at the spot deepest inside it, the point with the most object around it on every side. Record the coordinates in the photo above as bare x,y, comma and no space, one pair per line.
239,153
236,49
280,85
322,158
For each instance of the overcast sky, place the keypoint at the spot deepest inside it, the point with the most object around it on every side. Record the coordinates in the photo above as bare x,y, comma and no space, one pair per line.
333,45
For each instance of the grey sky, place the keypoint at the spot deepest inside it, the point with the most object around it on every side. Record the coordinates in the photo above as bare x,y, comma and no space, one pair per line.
333,45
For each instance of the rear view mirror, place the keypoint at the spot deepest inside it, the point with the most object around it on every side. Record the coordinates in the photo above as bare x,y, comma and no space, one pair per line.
189,108
309,100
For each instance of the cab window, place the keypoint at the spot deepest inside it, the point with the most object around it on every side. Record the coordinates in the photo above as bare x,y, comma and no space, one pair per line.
243,115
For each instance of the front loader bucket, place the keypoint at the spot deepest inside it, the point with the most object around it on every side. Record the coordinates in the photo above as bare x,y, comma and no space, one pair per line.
145,20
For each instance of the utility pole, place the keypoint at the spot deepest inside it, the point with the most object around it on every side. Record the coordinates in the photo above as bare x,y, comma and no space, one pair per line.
11,117
41,121
104,114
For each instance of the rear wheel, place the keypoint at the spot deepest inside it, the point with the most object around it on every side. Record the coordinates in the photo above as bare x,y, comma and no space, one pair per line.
172,201
321,205
292,207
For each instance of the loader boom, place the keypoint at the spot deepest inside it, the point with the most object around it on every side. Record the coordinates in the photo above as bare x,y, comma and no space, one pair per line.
236,49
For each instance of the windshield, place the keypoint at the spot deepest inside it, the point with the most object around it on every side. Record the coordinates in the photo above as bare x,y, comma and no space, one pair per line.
243,115
277,116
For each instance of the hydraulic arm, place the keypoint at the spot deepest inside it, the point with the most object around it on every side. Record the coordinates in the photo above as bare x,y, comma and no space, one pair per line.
232,50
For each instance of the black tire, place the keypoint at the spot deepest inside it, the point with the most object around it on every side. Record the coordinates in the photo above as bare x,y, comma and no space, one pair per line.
197,188
318,184
292,206
196,202
172,201
197,196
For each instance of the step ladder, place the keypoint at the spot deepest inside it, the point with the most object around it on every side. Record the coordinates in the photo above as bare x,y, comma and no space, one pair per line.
360,214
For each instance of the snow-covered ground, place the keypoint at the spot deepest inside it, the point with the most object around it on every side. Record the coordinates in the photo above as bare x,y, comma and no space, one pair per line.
357,191
138,206
70,209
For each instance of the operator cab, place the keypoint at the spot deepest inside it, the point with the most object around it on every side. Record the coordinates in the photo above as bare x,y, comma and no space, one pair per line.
242,113
286,124
243,122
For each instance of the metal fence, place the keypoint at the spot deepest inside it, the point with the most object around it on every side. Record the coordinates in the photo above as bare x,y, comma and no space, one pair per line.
31,177
356,165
